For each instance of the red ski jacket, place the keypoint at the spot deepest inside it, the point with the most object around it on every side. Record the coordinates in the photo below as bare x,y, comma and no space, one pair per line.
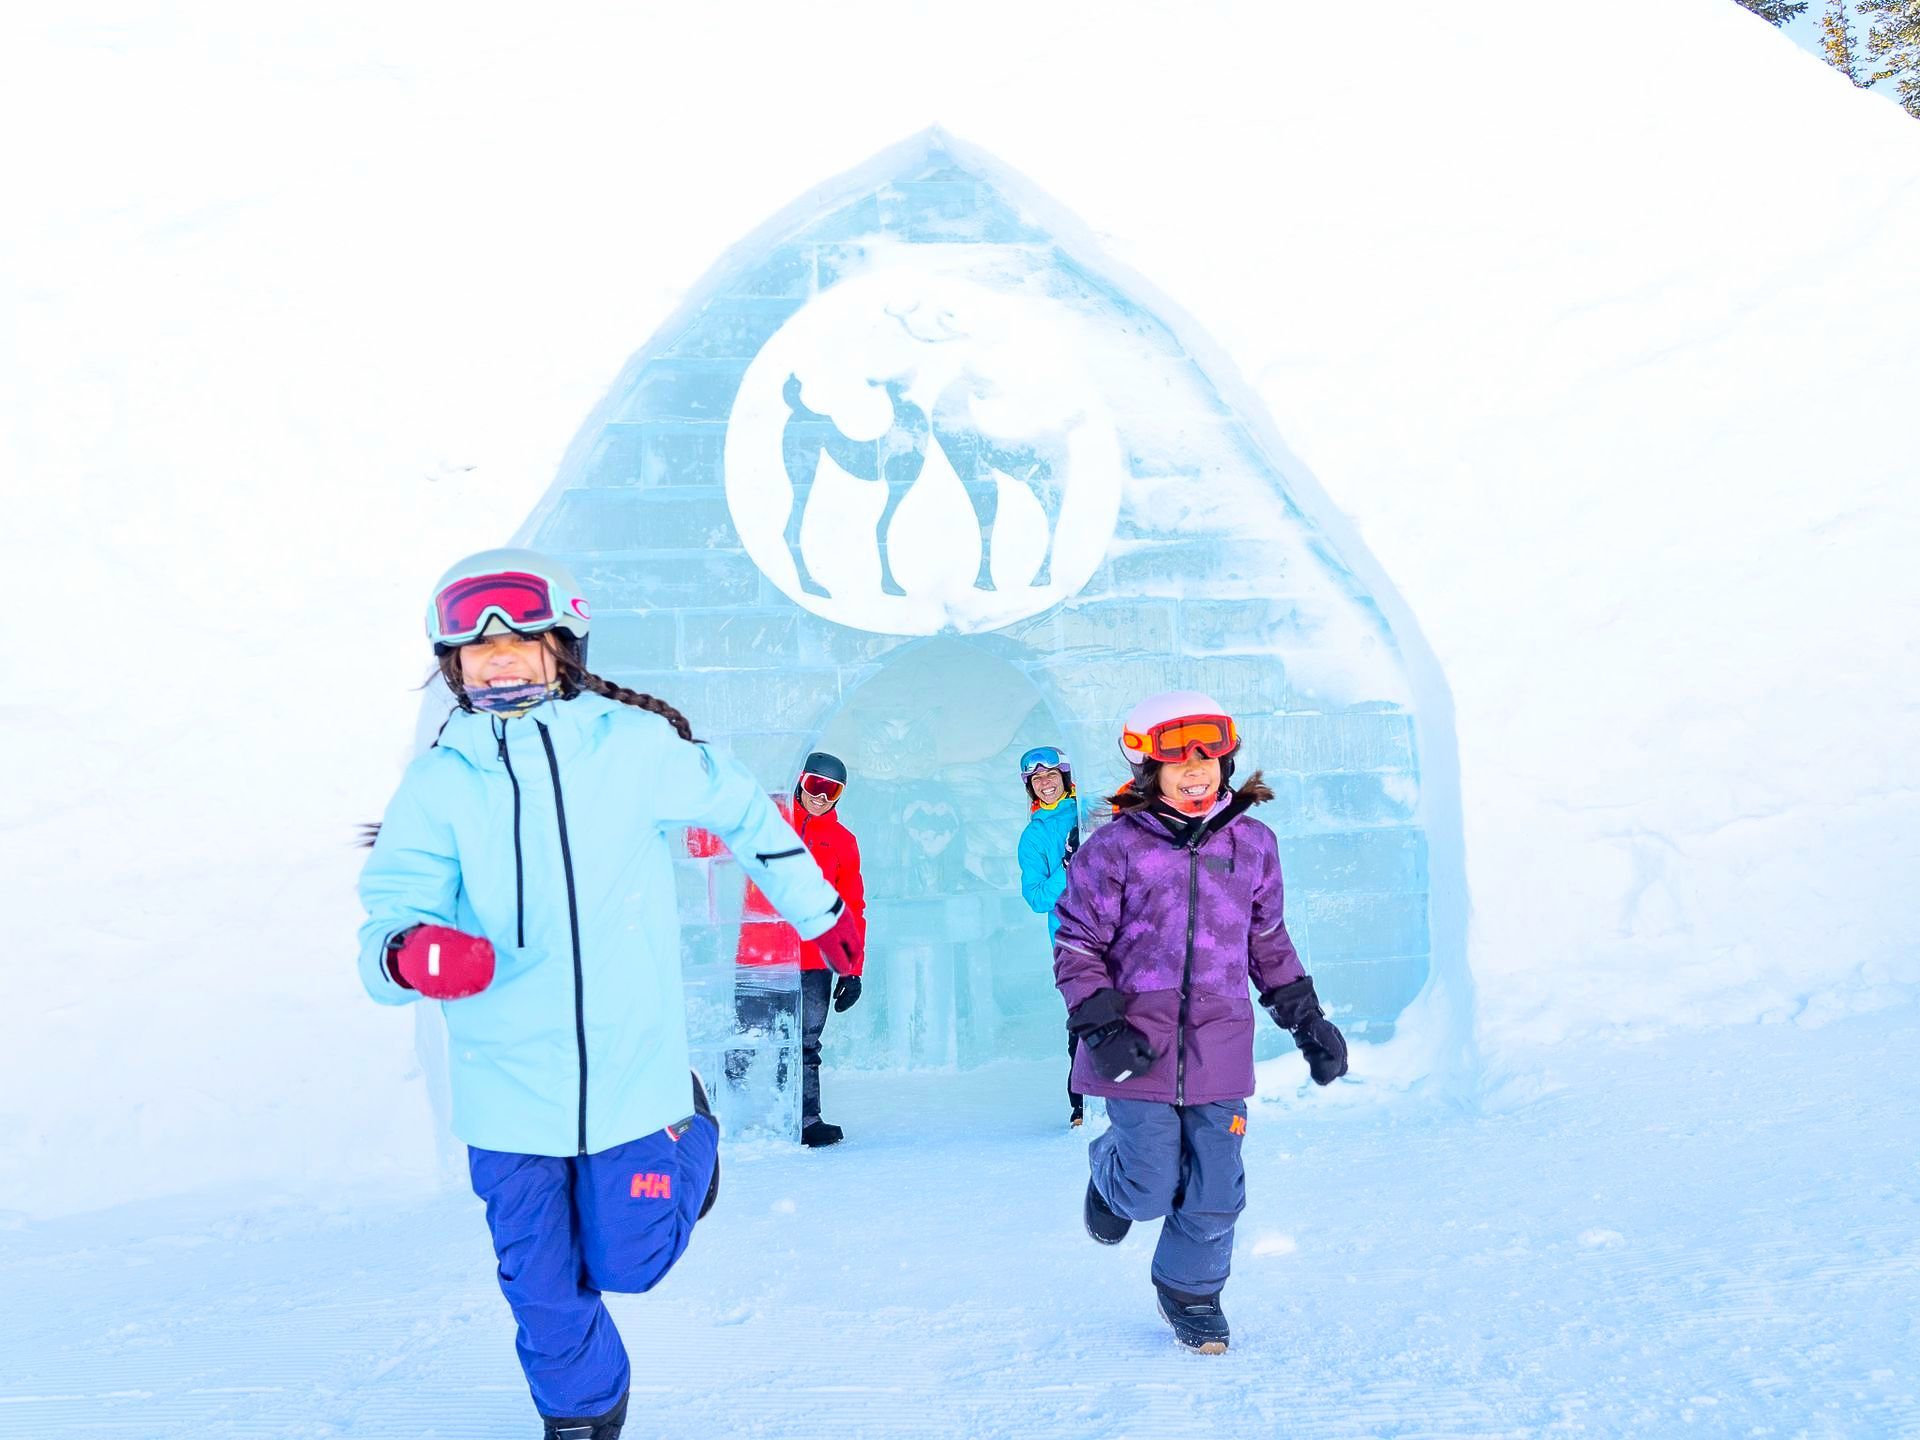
766,940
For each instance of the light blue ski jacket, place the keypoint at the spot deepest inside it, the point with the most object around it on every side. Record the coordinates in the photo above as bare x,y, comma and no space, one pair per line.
1043,852
547,833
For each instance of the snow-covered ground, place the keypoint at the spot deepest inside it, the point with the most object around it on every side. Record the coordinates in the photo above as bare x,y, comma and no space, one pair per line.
1710,1234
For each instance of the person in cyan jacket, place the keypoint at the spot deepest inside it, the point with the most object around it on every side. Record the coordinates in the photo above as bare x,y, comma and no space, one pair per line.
1046,847
521,877
1170,911
816,798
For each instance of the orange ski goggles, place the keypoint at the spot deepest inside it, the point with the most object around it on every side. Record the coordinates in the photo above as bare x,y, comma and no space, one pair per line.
1172,741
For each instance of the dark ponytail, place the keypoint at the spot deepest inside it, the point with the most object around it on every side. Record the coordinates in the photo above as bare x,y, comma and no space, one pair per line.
573,673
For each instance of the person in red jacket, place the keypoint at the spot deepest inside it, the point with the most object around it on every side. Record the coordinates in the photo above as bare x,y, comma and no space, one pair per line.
815,795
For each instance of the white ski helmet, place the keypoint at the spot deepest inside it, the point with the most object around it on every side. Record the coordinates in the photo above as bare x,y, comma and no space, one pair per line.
1173,723
508,589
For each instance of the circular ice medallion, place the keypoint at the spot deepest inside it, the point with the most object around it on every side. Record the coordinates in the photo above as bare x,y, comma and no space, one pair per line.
915,451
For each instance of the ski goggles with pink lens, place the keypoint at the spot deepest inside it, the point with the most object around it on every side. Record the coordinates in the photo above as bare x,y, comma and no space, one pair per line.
1172,741
519,600
820,786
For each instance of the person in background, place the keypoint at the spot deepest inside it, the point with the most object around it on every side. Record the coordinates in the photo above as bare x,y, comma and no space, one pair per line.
816,798
1169,912
1046,846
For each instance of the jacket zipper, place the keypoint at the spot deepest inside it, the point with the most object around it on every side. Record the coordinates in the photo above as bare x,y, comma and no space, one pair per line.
573,922
1186,978
519,874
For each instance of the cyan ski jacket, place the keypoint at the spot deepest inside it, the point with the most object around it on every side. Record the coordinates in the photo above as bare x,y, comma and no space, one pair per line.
1044,848
547,833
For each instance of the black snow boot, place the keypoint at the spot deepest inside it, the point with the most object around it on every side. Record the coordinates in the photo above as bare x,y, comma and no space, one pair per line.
1198,1321
702,1107
819,1133
1102,1223
588,1427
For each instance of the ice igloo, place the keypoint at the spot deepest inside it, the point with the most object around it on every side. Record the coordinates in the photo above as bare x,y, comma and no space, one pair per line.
918,478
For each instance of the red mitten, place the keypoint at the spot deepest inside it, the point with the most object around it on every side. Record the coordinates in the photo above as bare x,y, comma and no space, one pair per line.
443,963
843,944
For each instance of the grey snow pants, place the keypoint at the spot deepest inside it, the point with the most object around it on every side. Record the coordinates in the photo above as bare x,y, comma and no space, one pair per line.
1179,1164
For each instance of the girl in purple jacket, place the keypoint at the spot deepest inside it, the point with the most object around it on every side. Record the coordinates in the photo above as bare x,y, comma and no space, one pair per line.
1169,911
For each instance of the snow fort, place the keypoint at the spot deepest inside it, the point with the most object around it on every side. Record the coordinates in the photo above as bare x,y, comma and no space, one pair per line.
917,479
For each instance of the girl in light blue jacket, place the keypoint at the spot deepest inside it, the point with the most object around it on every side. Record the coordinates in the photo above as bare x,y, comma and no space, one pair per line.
522,877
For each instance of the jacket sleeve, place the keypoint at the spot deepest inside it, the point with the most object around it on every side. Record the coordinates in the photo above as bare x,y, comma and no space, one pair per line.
850,883
1271,958
697,787
1089,916
412,878
1043,879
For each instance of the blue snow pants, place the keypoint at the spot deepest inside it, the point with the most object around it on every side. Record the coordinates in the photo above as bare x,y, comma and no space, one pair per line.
567,1228
1180,1162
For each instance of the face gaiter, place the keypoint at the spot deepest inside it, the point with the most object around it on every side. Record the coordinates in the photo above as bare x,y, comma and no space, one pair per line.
512,700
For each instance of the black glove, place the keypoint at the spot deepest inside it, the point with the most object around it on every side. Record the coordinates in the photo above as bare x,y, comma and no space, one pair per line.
1117,1050
846,992
1325,1048
1295,1008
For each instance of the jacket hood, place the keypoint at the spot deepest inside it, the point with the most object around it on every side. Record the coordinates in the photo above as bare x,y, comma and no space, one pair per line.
1165,823
476,737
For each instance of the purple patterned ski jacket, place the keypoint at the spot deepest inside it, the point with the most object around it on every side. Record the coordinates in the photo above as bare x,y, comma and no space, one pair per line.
1179,931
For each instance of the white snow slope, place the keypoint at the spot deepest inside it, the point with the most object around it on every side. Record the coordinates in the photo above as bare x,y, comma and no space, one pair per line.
1708,1235
1603,336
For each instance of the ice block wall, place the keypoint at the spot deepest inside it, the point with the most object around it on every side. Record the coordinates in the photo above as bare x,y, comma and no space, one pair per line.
912,482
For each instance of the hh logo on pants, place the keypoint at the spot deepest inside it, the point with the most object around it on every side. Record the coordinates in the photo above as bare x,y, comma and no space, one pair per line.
653,1187
1238,1127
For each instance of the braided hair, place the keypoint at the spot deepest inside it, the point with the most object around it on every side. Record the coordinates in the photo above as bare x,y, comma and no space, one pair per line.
575,677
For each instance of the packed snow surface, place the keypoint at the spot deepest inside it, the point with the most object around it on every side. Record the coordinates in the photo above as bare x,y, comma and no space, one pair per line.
1707,1235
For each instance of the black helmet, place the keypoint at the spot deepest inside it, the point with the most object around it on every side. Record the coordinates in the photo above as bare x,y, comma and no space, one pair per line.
827,767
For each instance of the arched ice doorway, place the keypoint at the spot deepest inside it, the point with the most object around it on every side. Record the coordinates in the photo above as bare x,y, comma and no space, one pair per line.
960,970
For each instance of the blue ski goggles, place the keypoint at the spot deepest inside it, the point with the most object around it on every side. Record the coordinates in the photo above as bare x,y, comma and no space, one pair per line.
1041,757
